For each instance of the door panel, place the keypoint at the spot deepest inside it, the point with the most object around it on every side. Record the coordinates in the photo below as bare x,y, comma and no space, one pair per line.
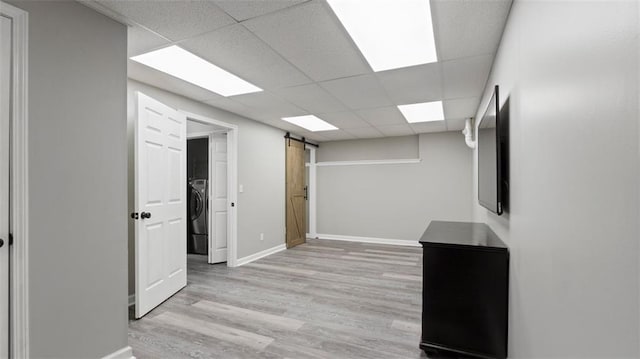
221,179
219,198
154,162
153,254
175,194
221,230
160,191
175,228
5,116
295,194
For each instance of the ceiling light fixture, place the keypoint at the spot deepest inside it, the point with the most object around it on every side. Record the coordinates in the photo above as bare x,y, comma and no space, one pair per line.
311,123
389,33
186,66
422,112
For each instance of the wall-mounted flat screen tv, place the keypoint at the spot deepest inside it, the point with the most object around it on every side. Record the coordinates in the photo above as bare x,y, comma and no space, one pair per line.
492,140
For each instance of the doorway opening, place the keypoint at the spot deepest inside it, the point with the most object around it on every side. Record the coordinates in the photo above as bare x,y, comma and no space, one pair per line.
207,192
211,190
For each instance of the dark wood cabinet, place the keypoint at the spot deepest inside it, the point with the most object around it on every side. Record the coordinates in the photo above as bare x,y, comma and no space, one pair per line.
465,292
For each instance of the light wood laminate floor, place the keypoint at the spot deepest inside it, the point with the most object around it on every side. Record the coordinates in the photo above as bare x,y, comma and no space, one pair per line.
323,299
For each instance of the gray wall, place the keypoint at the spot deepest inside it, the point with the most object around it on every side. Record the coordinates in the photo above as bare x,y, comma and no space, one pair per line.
261,164
394,201
387,148
196,127
77,181
573,228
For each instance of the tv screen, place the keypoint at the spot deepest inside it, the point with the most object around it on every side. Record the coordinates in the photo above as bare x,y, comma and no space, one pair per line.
491,137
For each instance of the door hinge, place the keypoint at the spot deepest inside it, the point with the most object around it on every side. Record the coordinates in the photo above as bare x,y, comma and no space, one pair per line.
10,239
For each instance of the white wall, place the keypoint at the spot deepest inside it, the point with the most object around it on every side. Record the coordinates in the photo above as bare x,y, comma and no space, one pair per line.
571,71
261,164
77,181
394,201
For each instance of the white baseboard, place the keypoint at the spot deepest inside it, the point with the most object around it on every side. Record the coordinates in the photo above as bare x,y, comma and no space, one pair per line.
124,353
132,300
396,242
261,254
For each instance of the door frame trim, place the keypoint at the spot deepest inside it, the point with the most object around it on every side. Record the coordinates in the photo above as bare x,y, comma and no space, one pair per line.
19,278
232,182
312,216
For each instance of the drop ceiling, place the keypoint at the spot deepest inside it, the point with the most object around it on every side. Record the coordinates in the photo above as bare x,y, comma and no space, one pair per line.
299,53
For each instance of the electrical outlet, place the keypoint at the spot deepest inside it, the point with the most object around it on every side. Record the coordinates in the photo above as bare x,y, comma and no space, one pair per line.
262,236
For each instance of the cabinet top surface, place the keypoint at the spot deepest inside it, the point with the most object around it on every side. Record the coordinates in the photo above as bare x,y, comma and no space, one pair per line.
461,233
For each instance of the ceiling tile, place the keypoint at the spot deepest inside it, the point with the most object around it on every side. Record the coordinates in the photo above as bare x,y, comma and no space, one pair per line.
312,98
161,80
358,92
103,8
382,116
175,20
396,130
237,50
296,131
425,127
422,83
344,120
455,124
269,105
318,138
311,38
460,108
468,28
279,123
338,135
364,132
313,136
247,9
141,40
466,77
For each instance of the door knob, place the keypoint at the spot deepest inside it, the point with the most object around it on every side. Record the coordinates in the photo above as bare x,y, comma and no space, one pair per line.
1,242
144,215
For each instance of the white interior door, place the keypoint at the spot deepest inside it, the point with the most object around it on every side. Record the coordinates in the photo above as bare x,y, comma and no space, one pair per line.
219,198
5,115
160,203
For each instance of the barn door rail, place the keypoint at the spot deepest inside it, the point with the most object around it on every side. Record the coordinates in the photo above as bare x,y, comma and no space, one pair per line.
303,140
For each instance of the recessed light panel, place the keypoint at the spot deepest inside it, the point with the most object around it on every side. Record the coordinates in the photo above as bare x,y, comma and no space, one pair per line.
311,123
389,33
186,66
422,112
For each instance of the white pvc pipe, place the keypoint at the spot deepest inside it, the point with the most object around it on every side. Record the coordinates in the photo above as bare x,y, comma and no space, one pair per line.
468,134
